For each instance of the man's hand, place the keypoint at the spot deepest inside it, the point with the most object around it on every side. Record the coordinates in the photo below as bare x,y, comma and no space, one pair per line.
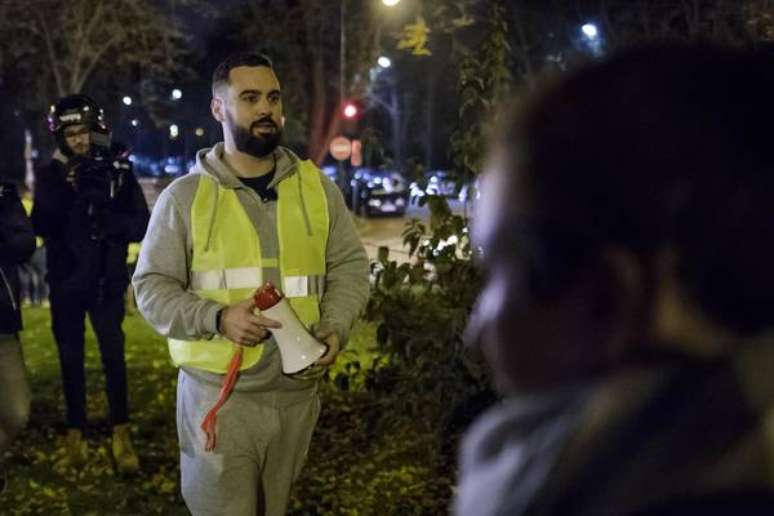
317,370
241,325
329,337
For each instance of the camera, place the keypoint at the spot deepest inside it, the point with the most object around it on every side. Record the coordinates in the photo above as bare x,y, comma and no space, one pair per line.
94,179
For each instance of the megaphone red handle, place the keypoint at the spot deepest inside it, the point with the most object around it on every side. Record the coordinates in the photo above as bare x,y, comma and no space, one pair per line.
264,298
209,421
267,296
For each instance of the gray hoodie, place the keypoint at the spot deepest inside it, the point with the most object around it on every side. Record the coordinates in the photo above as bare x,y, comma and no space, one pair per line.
161,279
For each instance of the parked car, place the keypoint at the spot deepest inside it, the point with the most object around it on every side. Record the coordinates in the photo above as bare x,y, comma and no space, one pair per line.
171,166
373,192
441,182
146,166
469,193
436,182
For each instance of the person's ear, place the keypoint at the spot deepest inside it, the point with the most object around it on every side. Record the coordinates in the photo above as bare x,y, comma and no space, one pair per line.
217,107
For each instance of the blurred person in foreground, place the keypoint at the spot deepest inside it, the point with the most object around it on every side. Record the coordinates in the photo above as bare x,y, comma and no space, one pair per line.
17,243
87,207
626,228
250,211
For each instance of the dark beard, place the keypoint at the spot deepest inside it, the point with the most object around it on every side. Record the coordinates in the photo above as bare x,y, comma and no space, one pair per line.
258,146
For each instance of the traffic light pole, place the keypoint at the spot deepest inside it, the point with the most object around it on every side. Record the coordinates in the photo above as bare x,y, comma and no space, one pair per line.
341,176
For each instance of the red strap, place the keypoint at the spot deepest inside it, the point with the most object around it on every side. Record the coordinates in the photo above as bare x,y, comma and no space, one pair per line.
208,423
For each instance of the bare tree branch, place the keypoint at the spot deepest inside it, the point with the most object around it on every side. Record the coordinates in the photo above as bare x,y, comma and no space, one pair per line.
52,57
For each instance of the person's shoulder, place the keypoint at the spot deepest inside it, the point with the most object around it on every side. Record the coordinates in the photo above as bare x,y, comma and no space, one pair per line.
181,190
121,164
52,172
51,165
328,185
183,183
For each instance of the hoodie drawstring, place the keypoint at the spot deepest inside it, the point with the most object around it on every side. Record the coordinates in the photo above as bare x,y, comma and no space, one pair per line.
213,212
303,205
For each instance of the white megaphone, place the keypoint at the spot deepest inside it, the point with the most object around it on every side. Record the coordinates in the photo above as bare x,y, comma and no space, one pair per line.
297,347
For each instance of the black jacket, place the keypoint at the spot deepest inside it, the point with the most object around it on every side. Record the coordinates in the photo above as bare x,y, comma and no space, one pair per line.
87,214
17,242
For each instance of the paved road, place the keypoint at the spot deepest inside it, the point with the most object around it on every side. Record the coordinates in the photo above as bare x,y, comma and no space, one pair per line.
381,231
378,231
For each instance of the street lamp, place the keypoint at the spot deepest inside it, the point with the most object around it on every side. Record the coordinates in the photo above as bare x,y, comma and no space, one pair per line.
590,31
343,69
593,37
174,131
177,94
127,100
135,122
384,62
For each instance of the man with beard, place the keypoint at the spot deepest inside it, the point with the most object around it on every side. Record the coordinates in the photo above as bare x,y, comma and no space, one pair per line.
251,211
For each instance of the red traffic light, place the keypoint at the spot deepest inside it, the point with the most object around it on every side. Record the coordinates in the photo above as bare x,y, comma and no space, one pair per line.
350,110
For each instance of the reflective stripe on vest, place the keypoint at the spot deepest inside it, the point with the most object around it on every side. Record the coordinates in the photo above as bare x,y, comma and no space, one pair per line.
227,265
247,277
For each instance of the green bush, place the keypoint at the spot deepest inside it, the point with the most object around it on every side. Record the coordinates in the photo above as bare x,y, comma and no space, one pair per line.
425,372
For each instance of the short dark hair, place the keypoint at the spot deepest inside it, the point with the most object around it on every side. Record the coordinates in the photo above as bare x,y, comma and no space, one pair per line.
661,147
221,74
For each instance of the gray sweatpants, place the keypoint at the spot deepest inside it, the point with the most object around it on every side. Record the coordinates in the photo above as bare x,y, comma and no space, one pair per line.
259,451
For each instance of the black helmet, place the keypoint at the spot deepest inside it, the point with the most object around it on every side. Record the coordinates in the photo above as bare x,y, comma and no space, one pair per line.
76,110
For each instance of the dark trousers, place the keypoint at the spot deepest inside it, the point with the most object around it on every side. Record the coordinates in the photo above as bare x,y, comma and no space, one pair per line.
68,313
32,278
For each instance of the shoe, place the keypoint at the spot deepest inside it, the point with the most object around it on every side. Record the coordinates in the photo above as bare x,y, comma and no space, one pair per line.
75,448
123,452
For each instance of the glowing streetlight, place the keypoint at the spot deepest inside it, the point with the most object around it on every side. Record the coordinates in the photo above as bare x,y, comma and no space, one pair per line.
384,62
127,100
174,131
135,122
590,30
177,94
390,3
199,132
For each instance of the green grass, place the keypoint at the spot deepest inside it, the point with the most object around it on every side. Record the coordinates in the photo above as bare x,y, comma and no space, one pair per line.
350,469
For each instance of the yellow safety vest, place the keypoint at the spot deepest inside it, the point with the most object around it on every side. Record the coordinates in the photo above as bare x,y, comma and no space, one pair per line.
132,252
227,265
27,203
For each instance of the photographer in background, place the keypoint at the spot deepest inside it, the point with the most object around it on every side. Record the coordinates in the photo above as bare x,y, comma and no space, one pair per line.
88,208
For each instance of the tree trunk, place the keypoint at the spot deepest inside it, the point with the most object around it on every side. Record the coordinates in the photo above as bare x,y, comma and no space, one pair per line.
429,135
395,118
317,107
692,10
523,49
